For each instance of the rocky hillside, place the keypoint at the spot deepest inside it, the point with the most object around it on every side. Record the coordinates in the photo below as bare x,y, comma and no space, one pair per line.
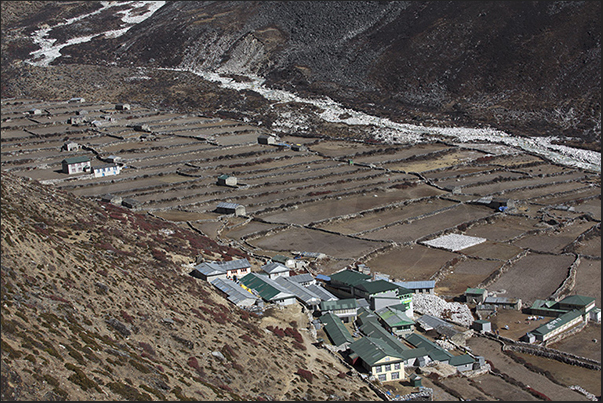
529,68
97,304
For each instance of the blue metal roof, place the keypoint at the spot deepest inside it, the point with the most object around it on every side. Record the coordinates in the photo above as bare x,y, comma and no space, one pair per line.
413,285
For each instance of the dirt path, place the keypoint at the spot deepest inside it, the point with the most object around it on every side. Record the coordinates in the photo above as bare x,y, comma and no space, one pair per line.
491,350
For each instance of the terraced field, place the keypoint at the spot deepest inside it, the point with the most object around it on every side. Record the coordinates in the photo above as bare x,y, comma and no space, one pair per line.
353,202
338,203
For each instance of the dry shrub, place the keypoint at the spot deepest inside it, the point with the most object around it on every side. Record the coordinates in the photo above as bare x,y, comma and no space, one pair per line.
307,375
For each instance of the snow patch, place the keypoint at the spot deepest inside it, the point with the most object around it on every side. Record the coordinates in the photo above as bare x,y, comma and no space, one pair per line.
454,242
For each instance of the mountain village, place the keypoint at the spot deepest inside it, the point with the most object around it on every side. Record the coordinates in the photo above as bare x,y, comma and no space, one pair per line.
374,326
386,330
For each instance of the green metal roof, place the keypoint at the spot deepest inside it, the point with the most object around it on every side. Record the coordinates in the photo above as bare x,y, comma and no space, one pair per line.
543,303
348,303
577,300
267,288
414,353
461,360
374,330
557,322
439,355
474,291
280,259
372,350
349,277
395,319
377,286
419,341
335,329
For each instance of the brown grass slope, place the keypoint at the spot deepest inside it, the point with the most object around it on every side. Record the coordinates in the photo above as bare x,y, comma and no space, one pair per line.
98,305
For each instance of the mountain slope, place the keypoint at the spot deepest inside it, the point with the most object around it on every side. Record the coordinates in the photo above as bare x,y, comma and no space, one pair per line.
530,68
97,305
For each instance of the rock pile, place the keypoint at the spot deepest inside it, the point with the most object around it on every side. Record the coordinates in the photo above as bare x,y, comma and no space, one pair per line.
430,304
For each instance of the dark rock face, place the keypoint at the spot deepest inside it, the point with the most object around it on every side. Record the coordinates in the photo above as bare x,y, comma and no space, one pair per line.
531,68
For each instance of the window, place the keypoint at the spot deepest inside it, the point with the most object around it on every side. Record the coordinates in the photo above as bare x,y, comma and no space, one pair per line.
383,378
388,368
396,366
378,369
395,375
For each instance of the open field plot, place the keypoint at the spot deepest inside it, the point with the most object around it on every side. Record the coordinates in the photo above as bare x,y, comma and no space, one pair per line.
464,388
121,132
467,273
299,140
591,246
492,385
583,345
567,374
554,241
492,350
340,149
395,155
31,146
145,116
349,204
184,121
371,220
504,227
308,240
209,228
514,160
252,227
535,276
415,230
581,199
37,158
54,130
542,169
529,194
506,186
186,128
489,148
319,170
458,171
449,159
261,195
15,135
495,386
588,279
410,263
171,142
492,250
133,185
249,136
451,183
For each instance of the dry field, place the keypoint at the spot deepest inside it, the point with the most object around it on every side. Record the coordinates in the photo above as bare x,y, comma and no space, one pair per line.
362,206
468,273
410,263
535,276
354,202
506,365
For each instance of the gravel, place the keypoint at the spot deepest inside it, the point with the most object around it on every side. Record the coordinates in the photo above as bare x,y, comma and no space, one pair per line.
455,312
